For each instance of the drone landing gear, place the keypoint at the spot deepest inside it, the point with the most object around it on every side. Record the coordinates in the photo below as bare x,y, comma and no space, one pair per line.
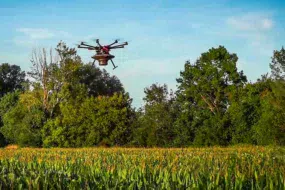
113,64
93,63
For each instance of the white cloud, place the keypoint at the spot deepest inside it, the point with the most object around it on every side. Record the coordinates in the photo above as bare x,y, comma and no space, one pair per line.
36,33
20,41
255,28
63,34
267,23
32,36
251,22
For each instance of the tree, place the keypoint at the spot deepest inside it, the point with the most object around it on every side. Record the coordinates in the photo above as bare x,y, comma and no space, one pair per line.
277,64
90,122
65,71
59,108
246,111
23,119
11,78
270,128
53,72
51,78
156,119
7,103
206,89
70,85
99,82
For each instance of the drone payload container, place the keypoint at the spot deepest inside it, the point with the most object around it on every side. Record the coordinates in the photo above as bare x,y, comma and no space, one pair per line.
103,58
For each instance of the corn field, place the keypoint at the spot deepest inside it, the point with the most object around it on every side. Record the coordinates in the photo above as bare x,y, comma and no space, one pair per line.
249,167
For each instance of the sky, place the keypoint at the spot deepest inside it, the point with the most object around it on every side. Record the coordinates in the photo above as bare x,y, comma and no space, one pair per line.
162,35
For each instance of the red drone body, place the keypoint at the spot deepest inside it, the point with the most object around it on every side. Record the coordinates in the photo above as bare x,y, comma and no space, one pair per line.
102,52
106,49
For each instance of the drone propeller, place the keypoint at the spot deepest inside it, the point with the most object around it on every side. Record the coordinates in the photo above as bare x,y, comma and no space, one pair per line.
115,42
78,45
119,39
86,46
123,39
97,41
119,46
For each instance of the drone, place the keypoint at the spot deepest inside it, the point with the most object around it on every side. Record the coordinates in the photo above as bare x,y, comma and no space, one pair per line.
103,52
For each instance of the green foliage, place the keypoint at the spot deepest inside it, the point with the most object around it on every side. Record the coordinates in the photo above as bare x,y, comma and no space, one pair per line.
277,64
89,122
24,118
11,78
245,113
156,119
6,104
99,82
22,125
205,92
270,129
69,104
72,104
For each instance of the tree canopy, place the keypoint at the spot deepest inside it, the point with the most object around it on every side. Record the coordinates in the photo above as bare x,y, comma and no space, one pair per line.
69,103
11,78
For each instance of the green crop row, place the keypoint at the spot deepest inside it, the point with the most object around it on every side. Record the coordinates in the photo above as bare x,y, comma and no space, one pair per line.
129,168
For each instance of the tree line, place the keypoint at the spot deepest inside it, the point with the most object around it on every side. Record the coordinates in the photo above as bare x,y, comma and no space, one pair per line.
63,102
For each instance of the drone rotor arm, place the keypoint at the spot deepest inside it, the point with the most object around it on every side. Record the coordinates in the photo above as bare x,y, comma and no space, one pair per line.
87,47
116,41
79,46
120,45
117,47
84,44
124,44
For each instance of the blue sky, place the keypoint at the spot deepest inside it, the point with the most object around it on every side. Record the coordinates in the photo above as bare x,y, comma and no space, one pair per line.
162,34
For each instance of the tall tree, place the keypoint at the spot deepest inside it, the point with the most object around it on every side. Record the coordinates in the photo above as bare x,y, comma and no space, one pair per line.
52,71
41,72
277,64
246,111
99,82
156,119
23,118
205,91
270,129
11,78
63,88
